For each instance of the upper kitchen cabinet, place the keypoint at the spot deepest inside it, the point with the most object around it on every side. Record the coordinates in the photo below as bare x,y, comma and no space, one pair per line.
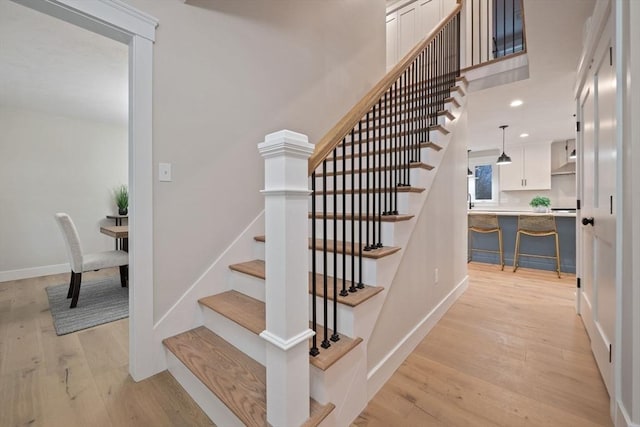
530,168
408,22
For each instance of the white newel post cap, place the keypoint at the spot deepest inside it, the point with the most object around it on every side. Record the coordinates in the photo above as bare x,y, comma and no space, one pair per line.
286,142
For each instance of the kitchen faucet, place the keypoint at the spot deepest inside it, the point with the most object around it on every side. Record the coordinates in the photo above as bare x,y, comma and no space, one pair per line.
469,200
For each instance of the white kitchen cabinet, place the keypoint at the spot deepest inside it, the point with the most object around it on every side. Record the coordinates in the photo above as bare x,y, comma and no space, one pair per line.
530,168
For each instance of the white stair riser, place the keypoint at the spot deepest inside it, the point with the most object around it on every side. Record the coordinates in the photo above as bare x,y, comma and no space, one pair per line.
402,203
342,384
217,411
346,320
386,160
386,229
238,336
369,267
248,285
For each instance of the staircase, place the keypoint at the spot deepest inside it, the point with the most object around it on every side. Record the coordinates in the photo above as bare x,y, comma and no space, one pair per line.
369,177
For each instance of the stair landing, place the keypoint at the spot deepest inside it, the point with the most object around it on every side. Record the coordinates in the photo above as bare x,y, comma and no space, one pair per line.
236,379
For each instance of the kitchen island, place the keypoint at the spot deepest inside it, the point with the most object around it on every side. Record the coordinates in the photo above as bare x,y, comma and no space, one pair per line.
508,220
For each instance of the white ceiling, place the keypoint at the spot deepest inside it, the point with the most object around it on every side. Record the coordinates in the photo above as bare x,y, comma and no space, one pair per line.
554,43
49,65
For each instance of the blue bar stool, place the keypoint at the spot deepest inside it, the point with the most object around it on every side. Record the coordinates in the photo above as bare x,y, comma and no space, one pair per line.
485,223
537,226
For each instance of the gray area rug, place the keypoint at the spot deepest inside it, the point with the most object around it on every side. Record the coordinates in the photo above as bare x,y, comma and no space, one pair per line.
101,301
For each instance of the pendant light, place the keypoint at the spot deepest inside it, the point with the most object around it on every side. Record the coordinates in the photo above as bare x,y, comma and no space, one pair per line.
573,154
503,159
469,173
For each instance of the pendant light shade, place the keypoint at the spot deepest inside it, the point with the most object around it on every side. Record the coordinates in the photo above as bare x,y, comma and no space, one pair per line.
469,173
503,159
573,154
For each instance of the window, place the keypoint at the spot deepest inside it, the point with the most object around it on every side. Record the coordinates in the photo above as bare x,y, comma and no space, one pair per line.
483,182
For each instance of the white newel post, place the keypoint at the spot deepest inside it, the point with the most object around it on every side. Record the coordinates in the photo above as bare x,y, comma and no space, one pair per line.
286,194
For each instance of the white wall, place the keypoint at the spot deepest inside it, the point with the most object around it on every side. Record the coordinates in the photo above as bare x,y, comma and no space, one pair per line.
438,241
52,164
226,73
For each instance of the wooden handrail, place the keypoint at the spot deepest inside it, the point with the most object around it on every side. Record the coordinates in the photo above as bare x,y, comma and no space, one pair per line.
332,138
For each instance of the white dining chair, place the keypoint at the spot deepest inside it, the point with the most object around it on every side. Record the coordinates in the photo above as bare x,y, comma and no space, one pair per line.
87,262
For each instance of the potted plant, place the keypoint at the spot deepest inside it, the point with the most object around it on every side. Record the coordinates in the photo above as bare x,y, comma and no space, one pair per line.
540,204
121,195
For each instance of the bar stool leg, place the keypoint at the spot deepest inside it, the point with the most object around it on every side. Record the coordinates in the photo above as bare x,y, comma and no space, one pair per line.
500,248
516,253
557,255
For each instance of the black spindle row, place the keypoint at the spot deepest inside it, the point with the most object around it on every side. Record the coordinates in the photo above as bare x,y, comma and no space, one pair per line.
359,180
497,29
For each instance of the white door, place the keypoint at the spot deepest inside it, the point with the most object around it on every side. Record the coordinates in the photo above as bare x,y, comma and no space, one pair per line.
597,215
537,166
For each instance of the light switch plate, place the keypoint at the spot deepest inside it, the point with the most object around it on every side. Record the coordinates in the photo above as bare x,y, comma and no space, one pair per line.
164,172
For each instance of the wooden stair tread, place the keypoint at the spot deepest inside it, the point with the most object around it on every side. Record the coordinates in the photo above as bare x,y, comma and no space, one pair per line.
253,268
383,218
250,314
401,189
318,413
245,311
236,379
339,247
256,268
329,356
413,165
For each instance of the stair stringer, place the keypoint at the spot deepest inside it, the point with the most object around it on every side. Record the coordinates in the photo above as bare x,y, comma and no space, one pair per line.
185,313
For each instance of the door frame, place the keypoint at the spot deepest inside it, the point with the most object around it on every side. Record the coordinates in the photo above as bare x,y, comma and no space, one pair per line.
118,21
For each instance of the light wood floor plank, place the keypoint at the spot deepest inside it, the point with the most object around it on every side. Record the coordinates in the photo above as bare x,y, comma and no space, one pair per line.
80,379
510,352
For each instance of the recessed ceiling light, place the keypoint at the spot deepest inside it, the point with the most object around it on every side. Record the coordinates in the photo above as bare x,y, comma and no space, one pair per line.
524,135
516,103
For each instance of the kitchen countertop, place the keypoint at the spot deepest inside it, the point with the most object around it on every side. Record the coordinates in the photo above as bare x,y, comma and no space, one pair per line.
522,212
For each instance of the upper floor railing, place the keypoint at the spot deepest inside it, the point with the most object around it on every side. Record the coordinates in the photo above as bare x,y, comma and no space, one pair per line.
495,29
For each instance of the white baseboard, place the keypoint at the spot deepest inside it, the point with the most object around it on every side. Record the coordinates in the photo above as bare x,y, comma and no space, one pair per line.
27,273
622,417
381,373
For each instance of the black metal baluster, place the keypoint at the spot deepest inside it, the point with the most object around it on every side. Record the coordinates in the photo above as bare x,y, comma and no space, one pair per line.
325,305
385,153
472,33
344,292
374,189
396,147
335,336
367,188
360,189
403,127
380,153
314,291
352,288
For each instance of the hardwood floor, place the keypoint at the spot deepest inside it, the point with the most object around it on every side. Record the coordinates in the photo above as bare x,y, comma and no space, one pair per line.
79,379
510,352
